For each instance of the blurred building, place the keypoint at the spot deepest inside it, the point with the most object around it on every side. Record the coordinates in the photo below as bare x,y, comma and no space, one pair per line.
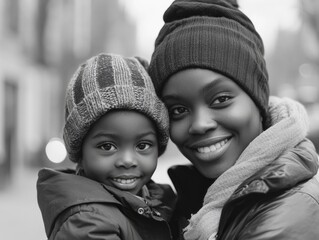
294,64
310,70
41,44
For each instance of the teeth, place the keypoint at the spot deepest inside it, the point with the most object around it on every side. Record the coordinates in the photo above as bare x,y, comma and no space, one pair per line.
124,181
212,148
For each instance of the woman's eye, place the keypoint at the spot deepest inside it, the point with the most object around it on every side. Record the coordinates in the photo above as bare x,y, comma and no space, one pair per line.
221,99
143,146
107,147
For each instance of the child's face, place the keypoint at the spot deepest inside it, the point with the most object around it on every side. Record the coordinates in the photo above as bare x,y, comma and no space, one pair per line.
121,150
212,120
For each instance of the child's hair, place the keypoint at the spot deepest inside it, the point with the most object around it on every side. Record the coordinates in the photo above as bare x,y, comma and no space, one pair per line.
103,83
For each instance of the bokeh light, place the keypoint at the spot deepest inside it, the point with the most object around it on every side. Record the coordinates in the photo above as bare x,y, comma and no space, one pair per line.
55,150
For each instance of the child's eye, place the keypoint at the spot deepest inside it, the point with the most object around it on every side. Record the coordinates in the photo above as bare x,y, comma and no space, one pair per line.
107,147
176,111
143,146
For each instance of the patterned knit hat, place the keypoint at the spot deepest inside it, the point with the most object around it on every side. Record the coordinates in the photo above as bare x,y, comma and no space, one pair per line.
106,82
214,35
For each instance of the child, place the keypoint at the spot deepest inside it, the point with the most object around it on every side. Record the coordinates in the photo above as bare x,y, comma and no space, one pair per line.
115,129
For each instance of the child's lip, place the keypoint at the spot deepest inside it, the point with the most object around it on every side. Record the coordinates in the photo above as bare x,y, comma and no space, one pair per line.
125,177
124,180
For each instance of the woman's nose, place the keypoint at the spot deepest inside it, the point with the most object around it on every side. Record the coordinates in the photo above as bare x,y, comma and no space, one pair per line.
202,121
127,159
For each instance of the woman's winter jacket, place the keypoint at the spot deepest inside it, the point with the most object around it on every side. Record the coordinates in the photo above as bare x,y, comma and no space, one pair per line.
75,207
281,201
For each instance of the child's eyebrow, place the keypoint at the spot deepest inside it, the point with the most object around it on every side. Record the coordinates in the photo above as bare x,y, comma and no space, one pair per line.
103,134
114,135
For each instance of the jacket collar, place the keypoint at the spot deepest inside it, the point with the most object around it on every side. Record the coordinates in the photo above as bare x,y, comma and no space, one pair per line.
59,190
158,200
190,186
292,167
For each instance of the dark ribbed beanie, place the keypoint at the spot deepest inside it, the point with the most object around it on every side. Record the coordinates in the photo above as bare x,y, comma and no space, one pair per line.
214,35
103,83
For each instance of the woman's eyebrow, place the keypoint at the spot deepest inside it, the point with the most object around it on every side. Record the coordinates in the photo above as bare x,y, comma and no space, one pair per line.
211,86
207,89
170,97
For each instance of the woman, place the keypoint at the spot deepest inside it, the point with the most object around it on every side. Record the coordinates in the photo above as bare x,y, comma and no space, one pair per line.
252,173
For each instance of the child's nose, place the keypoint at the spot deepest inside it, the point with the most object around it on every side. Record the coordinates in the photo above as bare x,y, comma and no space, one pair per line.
127,159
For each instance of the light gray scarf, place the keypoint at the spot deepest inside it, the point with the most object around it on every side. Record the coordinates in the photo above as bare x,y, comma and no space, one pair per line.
289,127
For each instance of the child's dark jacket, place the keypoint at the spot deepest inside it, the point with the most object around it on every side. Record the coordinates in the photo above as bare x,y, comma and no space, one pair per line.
75,207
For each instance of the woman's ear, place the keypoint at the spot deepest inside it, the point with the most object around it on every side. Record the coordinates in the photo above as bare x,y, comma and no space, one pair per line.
266,121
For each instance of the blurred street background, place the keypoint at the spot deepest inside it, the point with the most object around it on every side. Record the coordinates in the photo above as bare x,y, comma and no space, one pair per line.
43,41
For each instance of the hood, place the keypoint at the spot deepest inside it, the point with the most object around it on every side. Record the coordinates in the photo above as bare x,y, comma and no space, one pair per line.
58,190
291,168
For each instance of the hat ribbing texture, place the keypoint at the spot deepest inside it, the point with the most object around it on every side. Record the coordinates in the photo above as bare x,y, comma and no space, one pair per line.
213,35
103,83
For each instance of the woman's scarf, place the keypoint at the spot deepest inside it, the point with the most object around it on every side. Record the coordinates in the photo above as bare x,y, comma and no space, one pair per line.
289,127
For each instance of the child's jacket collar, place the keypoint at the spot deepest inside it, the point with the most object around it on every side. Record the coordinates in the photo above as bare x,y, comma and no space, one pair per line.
59,190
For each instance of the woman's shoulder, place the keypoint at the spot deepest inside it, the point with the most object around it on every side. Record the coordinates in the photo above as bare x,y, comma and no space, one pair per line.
309,190
288,214
295,213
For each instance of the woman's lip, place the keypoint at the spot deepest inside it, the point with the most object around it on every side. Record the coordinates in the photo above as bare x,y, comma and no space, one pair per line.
208,141
210,153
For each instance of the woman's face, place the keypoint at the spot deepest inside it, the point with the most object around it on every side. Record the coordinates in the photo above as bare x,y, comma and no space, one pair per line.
121,150
212,119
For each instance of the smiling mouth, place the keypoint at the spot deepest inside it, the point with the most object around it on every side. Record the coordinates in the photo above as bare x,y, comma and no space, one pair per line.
124,180
212,148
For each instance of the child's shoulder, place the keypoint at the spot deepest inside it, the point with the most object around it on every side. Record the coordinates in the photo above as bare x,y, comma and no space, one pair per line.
67,188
